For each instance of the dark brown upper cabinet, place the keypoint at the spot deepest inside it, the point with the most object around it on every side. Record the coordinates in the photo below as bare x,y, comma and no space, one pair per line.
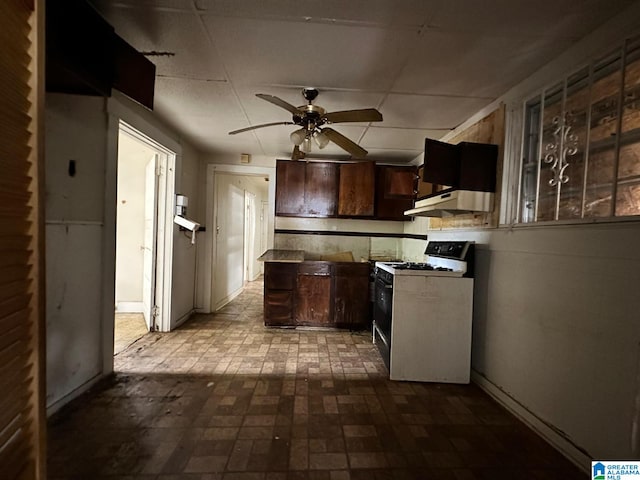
320,190
306,189
478,164
395,191
465,166
290,178
356,192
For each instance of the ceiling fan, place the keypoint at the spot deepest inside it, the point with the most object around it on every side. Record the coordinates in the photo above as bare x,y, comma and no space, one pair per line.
312,118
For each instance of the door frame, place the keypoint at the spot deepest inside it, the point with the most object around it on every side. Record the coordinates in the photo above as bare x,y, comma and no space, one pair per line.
208,252
150,310
118,108
250,222
163,264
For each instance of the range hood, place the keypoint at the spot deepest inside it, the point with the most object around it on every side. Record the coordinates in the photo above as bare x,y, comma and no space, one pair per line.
453,202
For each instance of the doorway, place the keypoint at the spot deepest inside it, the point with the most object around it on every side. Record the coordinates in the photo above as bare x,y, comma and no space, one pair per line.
238,233
139,237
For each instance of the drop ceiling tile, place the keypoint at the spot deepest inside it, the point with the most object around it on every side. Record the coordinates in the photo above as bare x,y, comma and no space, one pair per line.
390,155
295,53
178,33
215,146
370,12
551,18
196,97
448,63
429,112
106,5
214,102
398,138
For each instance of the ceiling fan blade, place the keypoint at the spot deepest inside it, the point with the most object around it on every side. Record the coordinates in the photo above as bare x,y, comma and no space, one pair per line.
279,102
260,126
364,115
343,142
297,154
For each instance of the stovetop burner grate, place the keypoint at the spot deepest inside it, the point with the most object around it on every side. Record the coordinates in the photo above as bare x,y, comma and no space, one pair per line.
421,266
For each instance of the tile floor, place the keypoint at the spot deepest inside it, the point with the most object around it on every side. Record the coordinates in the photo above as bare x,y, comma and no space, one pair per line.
223,398
129,327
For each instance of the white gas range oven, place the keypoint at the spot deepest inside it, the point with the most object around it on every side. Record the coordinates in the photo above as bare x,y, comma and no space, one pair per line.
422,314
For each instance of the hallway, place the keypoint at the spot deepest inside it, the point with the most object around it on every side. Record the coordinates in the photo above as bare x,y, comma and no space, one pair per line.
223,398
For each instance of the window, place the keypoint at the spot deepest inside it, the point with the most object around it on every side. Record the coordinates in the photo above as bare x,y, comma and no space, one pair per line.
581,155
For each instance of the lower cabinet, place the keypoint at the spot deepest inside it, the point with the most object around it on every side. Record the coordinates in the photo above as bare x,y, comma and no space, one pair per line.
313,295
317,294
279,288
351,296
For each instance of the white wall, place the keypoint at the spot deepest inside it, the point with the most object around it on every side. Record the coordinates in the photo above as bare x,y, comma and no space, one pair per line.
556,311
133,157
556,327
80,234
184,253
74,208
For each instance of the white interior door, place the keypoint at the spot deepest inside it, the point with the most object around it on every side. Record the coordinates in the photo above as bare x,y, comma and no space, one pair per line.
150,242
249,235
264,231
229,250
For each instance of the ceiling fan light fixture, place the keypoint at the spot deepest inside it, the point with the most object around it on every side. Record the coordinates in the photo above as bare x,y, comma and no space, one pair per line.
298,136
320,138
306,145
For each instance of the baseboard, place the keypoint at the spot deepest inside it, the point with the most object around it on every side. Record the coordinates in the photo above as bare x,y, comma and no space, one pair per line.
228,299
129,307
58,404
577,456
184,318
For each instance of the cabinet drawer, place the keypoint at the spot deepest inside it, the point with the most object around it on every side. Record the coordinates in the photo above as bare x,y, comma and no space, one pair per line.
352,269
314,268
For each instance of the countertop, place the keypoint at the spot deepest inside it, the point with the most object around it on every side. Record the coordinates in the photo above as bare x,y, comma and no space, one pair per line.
282,256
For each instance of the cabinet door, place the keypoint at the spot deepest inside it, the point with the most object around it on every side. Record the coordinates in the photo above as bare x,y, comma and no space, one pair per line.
352,308
312,303
400,182
279,287
278,308
320,189
392,196
357,189
290,183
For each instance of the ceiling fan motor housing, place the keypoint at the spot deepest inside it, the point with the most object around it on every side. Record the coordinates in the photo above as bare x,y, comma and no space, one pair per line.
310,93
